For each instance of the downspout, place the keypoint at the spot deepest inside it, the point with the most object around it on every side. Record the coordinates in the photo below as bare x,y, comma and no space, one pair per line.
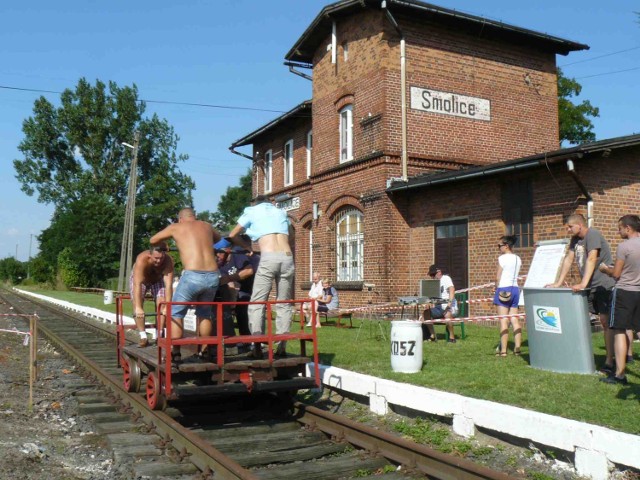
240,153
334,43
299,73
584,191
403,90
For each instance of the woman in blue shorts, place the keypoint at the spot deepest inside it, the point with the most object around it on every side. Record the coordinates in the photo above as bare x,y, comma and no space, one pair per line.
507,294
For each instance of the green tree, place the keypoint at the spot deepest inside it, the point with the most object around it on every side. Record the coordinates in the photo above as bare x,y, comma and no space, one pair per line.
231,204
90,230
40,270
12,270
73,154
575,125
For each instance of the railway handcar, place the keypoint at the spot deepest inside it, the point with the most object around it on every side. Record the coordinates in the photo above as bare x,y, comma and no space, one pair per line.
220,373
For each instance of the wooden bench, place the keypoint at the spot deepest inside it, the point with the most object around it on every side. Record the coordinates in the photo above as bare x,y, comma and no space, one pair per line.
339,314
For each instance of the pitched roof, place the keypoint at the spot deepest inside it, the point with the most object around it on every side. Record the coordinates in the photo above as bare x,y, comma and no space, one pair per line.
302,110
430,179
304,49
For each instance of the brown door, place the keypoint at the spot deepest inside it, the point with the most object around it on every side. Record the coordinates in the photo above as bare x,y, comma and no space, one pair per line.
451,252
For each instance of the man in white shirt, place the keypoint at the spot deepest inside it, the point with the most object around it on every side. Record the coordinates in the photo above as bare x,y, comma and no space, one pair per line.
315,293
445,310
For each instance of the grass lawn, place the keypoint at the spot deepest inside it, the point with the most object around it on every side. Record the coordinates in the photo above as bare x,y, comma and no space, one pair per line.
469,367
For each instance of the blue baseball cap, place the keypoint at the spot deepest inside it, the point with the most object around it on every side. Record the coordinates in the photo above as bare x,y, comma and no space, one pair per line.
222,244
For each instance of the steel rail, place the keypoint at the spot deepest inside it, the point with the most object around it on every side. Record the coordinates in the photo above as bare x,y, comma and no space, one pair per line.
204,456
414,457
410,454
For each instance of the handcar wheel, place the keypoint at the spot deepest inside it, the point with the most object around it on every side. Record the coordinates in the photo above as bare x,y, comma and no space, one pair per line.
131,374
155,399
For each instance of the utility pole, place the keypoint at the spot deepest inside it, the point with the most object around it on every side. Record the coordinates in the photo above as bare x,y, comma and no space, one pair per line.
126,250
29,261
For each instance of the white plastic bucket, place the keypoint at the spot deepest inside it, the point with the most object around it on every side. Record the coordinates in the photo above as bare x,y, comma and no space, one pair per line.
108,297
406,346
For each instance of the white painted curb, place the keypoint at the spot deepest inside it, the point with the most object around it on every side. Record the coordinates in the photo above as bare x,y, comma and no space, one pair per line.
594,446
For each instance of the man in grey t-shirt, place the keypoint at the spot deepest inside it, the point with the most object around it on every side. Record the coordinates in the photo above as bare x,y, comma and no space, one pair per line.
589,248
626,297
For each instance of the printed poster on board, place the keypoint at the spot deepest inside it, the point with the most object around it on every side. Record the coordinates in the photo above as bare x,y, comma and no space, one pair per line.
547,319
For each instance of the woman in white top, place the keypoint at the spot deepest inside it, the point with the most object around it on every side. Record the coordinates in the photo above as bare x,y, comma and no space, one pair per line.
507,294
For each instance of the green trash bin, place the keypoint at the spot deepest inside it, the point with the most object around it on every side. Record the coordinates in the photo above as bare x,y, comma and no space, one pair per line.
559,330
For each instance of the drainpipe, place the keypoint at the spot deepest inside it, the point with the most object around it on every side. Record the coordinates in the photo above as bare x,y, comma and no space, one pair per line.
403,90
241,154
584,191
334,43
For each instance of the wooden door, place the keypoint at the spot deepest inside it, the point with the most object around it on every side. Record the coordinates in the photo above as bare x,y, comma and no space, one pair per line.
451,251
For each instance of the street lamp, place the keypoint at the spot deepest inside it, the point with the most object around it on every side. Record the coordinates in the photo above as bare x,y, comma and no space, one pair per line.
126,250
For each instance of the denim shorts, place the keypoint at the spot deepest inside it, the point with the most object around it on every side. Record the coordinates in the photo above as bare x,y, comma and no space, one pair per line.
195,286
512,302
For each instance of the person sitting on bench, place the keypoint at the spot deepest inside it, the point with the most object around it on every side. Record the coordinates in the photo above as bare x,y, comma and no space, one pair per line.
445,310
315,292
329,299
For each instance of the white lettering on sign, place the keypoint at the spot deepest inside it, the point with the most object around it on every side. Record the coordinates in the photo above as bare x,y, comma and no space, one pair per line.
448,103
291,204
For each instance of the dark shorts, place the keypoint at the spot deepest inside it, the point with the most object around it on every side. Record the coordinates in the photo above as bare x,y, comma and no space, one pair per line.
513,301
323,308
438,312
195,286
600,301
625,308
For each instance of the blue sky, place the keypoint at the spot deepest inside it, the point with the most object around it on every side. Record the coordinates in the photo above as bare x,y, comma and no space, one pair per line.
230,52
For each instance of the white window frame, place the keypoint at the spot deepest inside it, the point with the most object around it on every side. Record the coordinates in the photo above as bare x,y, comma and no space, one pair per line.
350,247
309,151
287,157
311,254
346,133
268,171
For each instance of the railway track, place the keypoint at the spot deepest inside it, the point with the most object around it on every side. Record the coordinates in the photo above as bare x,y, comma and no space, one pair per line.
230,437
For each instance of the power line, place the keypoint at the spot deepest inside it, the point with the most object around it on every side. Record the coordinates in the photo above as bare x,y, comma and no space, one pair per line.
600,56
609,73
164,102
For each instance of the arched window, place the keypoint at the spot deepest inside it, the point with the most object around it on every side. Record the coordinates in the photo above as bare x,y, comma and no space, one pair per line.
349,245
346,133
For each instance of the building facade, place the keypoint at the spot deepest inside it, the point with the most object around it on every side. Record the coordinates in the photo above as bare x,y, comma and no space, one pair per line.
379,185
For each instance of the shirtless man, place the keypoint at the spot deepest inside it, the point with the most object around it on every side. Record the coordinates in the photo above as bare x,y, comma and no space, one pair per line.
269,226
153,270
200,277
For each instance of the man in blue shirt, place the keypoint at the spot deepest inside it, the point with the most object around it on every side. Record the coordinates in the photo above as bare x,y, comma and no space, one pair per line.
269,226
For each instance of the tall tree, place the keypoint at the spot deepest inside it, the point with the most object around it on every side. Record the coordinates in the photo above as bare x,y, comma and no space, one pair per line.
73,153
89,231
231,204
575,125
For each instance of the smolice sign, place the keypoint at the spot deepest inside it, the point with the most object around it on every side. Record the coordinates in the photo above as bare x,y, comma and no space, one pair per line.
448,103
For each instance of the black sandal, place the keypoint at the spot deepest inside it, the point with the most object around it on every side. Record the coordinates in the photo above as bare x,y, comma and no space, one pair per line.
516,352
501,354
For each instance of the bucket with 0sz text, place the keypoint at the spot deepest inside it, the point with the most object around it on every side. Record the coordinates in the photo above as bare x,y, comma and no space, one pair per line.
406,346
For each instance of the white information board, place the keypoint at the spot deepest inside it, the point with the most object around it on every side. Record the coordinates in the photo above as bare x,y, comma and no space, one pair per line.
546,263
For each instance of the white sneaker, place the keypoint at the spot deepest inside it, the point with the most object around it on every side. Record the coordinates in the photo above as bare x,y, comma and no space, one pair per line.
308,324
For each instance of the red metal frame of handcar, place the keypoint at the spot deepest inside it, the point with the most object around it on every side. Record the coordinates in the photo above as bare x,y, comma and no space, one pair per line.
165,344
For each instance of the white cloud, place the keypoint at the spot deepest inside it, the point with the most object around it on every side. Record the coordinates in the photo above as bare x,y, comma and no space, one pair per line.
12,232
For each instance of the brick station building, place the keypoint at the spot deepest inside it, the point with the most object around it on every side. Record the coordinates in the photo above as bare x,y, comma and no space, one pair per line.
378,185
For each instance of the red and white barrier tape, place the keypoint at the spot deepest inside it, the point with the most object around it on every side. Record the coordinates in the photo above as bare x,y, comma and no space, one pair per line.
16,331
486,285
471,319
478,300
